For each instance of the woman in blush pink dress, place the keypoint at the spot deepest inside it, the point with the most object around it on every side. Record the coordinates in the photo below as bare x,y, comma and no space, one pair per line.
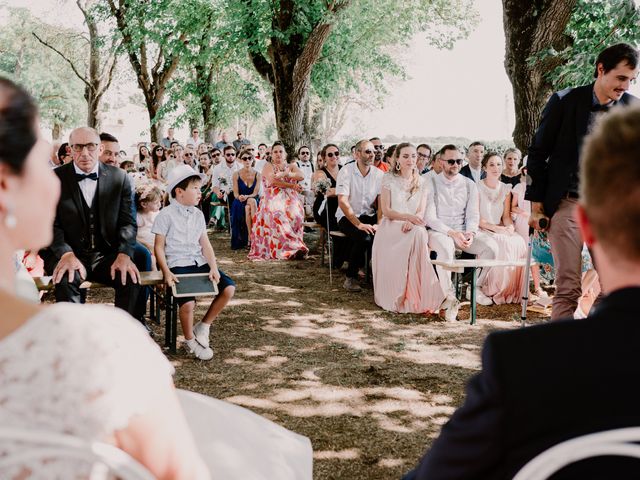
403,278
277,230
502,284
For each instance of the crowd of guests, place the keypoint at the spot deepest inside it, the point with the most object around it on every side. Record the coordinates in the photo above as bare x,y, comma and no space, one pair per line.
399,205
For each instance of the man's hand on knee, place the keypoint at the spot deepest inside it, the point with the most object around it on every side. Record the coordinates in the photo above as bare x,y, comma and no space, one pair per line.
68,264
124,265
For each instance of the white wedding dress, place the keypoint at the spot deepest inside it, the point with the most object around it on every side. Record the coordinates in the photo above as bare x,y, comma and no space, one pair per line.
86,370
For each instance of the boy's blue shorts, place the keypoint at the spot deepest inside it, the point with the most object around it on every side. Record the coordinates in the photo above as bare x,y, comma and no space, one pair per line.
225,280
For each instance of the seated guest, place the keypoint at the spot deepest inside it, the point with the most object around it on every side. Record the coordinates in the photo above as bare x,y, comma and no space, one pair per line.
326,202
182,247
454,222
95,230
403,279
148,203
473,171
587,367
501,284
222,176
305,165
435,166
358,188
520,213
86,371
157,157
276,233
246,187
165,167
424,156
378,159
204,167
64,154
511,173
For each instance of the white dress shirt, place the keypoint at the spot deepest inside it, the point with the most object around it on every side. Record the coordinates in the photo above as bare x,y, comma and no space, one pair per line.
182,228
224,174
88,187
456,202
475,173
307,169
361,190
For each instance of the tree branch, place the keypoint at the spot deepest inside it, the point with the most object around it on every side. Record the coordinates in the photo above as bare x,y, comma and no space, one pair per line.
73,67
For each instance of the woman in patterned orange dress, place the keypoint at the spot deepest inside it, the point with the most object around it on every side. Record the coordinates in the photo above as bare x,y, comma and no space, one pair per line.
277,229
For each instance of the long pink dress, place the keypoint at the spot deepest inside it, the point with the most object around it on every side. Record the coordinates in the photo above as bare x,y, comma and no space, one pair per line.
403,279
503,284
277,229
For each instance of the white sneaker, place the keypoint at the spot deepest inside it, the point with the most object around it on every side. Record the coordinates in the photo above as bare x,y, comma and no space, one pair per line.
201,332
451,305
481,298
197,350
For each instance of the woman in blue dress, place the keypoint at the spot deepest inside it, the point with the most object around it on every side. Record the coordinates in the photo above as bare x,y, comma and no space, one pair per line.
246,189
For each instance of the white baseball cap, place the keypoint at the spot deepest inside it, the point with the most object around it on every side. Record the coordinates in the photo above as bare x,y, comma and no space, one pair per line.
180,173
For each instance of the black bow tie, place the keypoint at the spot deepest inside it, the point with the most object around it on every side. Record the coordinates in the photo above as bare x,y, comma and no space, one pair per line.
600,108
90,176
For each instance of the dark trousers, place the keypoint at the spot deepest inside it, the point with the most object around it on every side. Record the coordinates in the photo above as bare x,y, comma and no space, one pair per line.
142,260
360,242
98,266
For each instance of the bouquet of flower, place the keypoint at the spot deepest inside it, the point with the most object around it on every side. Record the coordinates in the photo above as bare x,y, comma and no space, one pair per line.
322,185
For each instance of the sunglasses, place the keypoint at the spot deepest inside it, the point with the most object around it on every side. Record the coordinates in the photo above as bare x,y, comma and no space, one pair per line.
454,161
379,147
368,152
229,154
246,159
188,154
331,154
305,153
216,154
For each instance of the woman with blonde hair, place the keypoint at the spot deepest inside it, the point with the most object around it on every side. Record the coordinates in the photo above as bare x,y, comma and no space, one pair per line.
403,278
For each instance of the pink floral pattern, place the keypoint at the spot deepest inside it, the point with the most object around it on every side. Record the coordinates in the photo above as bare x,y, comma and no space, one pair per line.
277,232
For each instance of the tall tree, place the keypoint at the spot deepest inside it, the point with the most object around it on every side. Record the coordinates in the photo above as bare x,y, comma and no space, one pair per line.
50,80
154,36
96,71
531,28
215,83
290,40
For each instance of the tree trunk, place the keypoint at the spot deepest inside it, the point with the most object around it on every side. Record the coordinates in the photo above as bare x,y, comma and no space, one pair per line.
93,105
155,128
531,27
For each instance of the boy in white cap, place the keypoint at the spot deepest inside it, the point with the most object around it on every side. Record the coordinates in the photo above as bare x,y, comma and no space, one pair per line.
182,246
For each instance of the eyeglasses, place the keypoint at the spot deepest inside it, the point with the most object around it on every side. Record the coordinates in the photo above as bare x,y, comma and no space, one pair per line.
229,154
305,153
216,154
454,161
331,154
379,147
246,159
423,155
188,155
78,147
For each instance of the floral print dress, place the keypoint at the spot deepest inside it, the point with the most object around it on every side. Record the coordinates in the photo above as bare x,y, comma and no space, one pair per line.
277,232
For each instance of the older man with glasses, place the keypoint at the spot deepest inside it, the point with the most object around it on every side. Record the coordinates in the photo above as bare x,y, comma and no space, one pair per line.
457,215
94,230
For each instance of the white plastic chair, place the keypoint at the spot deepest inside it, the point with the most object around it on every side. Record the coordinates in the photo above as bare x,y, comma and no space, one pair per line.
106,460
610,442
234,442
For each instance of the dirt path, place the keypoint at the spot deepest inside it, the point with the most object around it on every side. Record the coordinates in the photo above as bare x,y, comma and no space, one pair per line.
370,388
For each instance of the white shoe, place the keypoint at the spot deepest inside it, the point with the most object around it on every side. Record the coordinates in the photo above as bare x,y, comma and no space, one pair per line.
451,305
201,332
197,350
481,298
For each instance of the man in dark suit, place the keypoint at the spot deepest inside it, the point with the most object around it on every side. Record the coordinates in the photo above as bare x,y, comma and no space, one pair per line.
545,384
473,169
554,159
94,229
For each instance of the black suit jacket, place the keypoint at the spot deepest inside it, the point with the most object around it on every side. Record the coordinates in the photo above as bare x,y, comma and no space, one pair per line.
118,228
542,385
466,172
555,151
